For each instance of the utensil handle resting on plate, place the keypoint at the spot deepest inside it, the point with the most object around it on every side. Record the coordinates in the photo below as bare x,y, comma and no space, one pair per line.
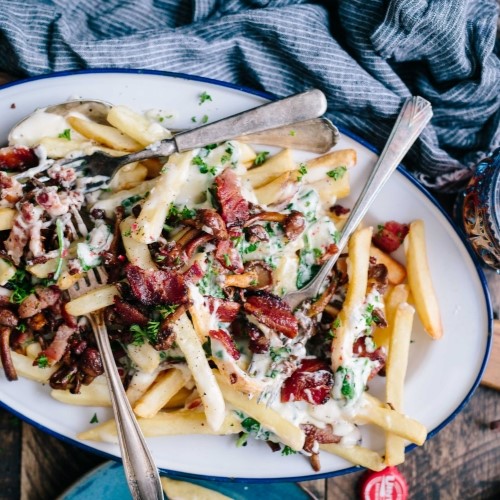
141,473
413,117
296,108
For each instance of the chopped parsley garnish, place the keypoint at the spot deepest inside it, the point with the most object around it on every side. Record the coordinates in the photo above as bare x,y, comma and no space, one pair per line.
21,286
252,247
336,237
227,260
166,310
209,147
293,133
287,451
204,168
302,171
65,135
228,153
204,97
94,419
204,119
260,158
208,285
347,389
148,333
337,323
127,233
278,353
42,361
193,119
337,173
21,327
175,212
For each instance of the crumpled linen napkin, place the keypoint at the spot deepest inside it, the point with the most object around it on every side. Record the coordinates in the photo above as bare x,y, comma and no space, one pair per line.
366,55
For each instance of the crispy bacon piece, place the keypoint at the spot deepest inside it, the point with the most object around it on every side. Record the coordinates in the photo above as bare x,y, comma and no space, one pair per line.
165,338
38,301
8,318
227,341
228,256
312,382
57,347
390,236
17,158
156,287
359,349
128,313
5,356
193,274
226,310
234,208
258,343
272,312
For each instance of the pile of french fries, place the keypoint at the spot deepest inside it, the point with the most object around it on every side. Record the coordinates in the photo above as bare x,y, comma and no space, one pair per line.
195,398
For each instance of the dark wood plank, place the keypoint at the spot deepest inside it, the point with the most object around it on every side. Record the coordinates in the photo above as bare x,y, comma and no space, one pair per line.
316,488
462,461
50,466
10,455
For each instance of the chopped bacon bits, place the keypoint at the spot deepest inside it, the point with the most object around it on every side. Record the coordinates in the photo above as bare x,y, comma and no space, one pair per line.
390,236
227,341
312,382
17,158
156,287
234,208
258,343
129,314
360,350
229,257
272,312
193,274
57,347
226,310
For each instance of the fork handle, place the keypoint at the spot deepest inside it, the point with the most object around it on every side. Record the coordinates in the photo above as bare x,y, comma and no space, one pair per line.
141,473
413,117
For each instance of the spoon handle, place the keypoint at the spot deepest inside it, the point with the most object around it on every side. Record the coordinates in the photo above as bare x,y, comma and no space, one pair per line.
413,117
296,108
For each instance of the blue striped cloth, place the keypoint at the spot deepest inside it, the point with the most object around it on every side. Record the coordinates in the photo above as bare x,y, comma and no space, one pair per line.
366,55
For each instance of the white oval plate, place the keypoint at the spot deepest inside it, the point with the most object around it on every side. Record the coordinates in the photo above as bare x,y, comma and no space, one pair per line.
441,375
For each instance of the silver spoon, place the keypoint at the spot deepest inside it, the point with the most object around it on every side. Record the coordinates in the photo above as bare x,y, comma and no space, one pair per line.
317,135
412,119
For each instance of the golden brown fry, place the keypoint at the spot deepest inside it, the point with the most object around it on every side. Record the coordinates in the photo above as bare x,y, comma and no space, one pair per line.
395,369
273,167
420,280
396,272
357,455
7,218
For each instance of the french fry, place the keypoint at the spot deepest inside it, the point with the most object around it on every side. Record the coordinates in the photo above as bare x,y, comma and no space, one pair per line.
7,271
168,184
178,400
419,278
103,134
390,420
357,455
174,423
318,168
330,190
273,167
395,296
182,490
358,262
33,350
278,190
137,253
136,125
396,272
56,147
210,393
94,300
166,385
95,394
7,216
24,367
395,369
110,203
128,177
271,420
144,356
140,382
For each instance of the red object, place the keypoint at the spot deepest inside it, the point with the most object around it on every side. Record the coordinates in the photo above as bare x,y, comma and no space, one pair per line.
387,484
390,236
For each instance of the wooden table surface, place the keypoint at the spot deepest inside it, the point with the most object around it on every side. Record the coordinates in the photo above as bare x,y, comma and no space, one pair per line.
462,461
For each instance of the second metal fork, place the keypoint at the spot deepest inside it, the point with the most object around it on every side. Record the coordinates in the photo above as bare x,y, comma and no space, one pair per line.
141,472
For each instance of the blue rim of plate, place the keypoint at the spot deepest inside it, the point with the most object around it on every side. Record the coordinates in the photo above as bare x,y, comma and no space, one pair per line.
401,169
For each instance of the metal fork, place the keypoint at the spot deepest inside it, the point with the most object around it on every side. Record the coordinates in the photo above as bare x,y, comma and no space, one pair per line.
141,472
412,119
296,108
